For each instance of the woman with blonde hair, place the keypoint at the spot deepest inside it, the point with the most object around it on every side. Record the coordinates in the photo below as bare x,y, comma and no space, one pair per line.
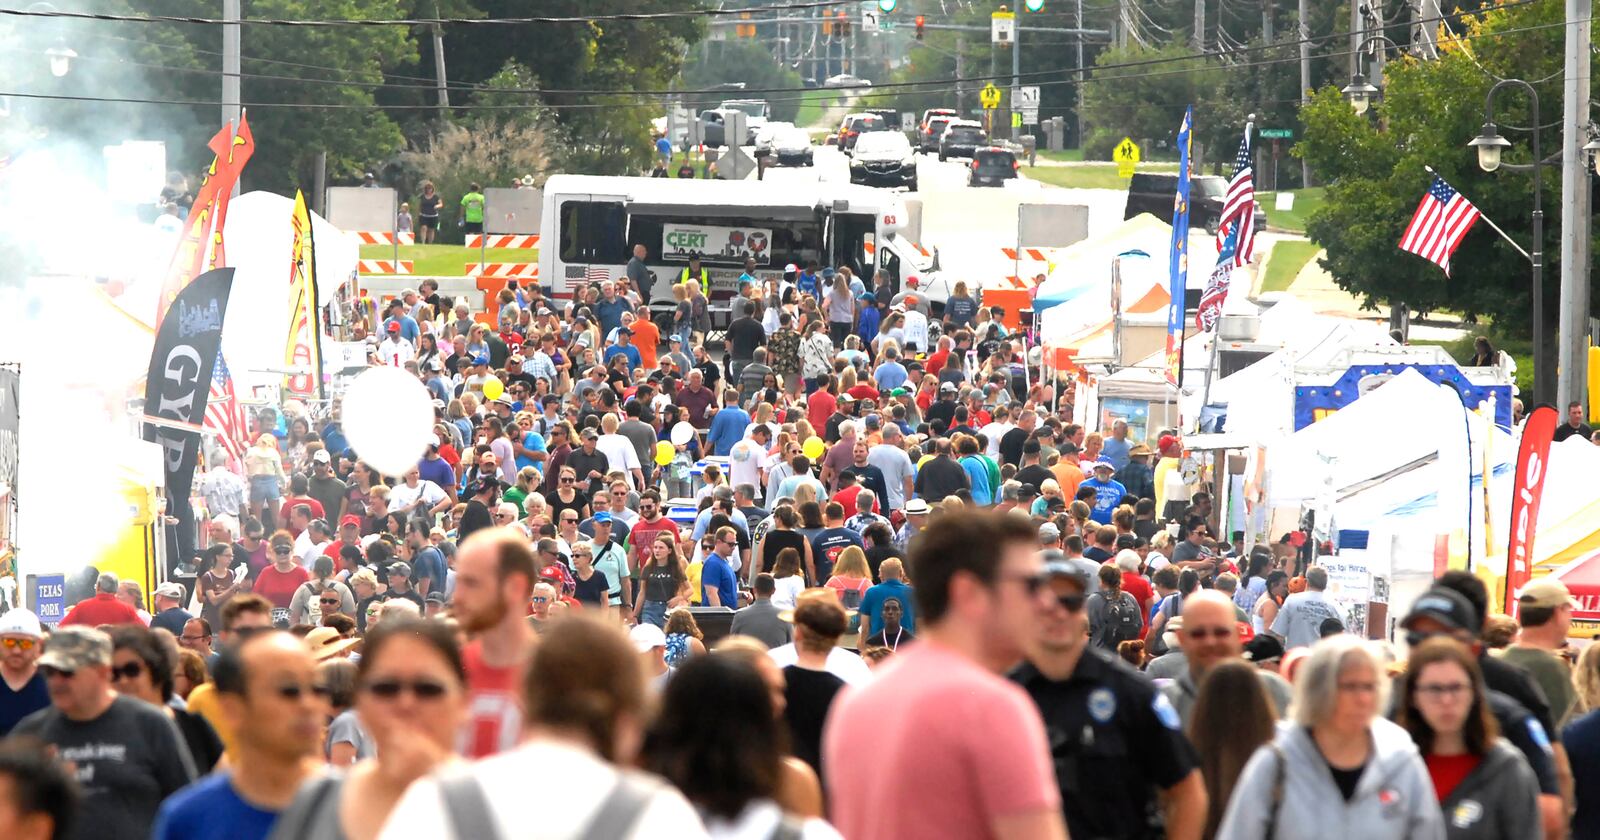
528,479
1586,682
1079,511
851,577
263,466
682,314
684,638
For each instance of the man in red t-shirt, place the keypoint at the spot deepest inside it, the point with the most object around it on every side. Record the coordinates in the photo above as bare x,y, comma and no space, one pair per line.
103,608
993,780
495,576
298,488
821,403
652,523
349,534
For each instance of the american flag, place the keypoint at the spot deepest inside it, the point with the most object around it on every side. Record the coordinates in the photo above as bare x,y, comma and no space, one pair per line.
596,274
1443,218
1239,208
224,414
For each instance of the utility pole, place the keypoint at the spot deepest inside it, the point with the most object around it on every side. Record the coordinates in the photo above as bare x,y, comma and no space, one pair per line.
961,73
1358,26
231,109
1425,29
1124,23
1269,12
1200,26
1304,32
1016,74
1078,93
1572,364
438,66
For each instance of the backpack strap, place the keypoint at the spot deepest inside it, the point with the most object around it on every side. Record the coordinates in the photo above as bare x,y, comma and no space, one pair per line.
466,808
1281,764
621,808
306,809
788,828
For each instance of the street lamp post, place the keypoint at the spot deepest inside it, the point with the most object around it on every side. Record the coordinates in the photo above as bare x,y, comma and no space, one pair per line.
1490,146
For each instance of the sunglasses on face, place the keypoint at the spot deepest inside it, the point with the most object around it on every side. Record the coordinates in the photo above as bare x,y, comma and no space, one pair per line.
567,479
18,644
330,602
294,691
420,689
282,549
130,671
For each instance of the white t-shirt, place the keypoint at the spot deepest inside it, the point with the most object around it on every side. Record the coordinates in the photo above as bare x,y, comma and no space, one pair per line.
307,551
841,663
746,461
396,353
586,781
402,496
993,433
788,592
759,820
620,455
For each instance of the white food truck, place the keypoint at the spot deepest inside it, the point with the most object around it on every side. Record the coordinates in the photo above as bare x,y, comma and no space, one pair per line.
590,224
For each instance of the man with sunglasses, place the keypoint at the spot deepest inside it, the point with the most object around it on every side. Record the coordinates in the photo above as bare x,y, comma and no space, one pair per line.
979,582
22,687
1114,738
269,686
1210,636
128,755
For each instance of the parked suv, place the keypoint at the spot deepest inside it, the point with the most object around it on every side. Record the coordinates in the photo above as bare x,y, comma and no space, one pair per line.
992,167
961,138
1152,193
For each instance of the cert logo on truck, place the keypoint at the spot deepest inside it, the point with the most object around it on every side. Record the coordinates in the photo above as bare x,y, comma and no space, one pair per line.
727,245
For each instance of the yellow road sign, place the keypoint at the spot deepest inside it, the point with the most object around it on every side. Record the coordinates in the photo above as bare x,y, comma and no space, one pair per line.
989,96
1126,154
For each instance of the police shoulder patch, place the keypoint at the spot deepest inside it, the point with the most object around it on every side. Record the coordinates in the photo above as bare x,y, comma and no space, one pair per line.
1165,712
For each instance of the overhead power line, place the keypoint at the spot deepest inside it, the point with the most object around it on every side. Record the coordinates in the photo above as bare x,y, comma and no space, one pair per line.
507,21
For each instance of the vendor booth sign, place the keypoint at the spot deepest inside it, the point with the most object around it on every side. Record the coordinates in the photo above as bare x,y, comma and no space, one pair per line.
725,245
1314,402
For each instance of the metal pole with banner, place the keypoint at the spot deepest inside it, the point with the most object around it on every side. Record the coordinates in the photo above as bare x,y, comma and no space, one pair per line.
1178,260
1532,457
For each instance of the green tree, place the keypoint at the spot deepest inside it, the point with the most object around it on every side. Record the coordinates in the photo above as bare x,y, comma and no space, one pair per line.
1374,166
1145,102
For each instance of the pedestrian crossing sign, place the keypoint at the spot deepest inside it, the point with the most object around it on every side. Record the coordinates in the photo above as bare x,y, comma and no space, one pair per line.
1126,154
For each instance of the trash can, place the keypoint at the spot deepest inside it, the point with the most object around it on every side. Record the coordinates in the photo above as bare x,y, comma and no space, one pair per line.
1030,147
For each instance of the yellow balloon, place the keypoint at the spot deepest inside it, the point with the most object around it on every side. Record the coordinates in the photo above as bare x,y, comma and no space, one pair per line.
813,447
493,388
665,452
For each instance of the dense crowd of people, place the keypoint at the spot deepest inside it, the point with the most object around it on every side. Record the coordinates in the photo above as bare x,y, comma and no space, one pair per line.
855,576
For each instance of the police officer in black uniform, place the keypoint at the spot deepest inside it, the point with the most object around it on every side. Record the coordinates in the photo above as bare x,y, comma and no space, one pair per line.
1114,738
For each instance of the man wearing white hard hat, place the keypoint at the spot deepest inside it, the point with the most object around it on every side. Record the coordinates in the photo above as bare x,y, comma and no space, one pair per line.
22,689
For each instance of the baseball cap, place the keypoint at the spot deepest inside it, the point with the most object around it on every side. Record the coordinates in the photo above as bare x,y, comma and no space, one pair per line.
647,637
551,571
898,392
591,434
916,507
1545,592
603,518
1048,532
435,598
170,589
1165,441
948,387
846,397
72,648
790,268
20,622
1028,490
1057,566
1263,648
350,519
394,326
1105,464
400,568
503,400
321,456
1446,606
1067,447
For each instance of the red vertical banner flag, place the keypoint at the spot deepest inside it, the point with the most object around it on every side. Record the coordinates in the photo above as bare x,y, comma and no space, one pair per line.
1527,486
200,247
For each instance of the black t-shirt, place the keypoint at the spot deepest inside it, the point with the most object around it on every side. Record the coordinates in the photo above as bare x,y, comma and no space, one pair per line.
16,705
204,745
1011,445
428,206
596,590
1566,430
941,410
474,518
128,759
744,336
330,492
1115,739
939,478
777,540
582,462
809,694
660,582
1034,474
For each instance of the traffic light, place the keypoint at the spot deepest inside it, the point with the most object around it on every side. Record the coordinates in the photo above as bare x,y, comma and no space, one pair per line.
921,22
1033,5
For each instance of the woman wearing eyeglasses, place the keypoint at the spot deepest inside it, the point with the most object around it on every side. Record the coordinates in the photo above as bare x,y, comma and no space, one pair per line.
1337,769
1485,787
411,699
142,667
666,583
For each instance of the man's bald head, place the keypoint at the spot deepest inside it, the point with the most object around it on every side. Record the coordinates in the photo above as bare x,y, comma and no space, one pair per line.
1210,630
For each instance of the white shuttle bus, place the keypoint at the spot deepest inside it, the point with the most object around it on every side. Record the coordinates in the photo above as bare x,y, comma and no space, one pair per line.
590,224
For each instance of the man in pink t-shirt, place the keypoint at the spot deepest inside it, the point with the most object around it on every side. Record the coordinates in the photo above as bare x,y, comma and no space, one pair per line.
939,745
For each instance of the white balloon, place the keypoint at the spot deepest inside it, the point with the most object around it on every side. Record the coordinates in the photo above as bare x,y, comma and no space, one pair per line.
388,419
682,433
